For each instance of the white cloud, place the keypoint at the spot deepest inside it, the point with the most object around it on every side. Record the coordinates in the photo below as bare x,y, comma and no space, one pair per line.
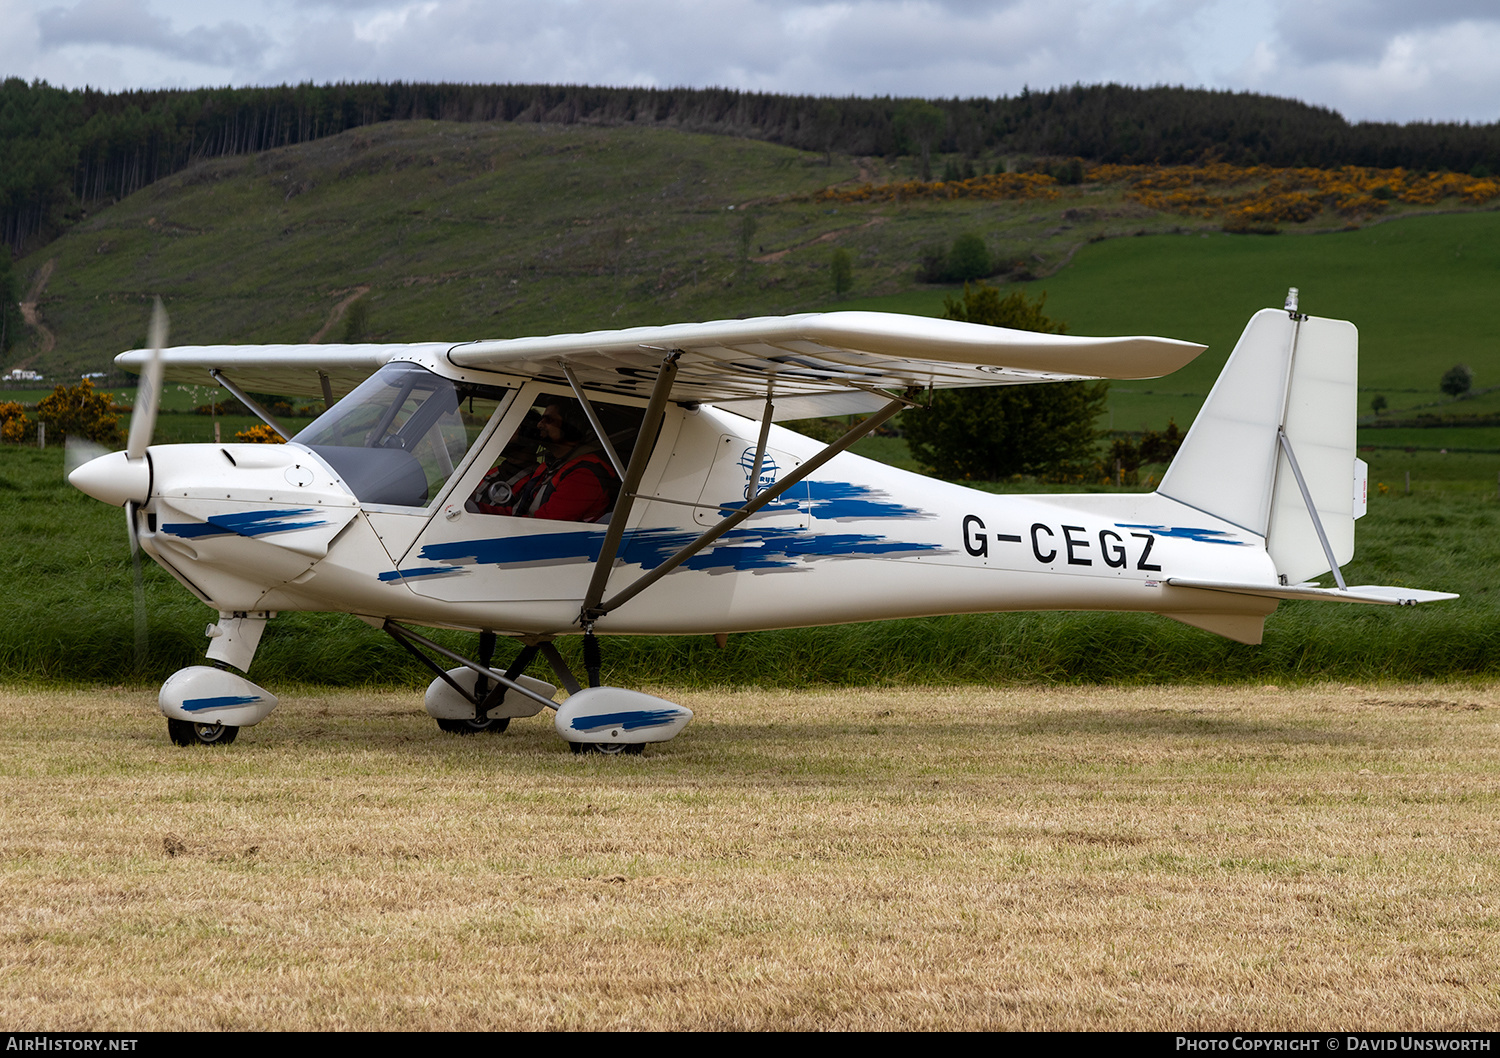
1379,59
1422,68
112,25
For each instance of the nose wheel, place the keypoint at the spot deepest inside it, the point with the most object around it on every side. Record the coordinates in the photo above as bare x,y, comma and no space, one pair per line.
188,733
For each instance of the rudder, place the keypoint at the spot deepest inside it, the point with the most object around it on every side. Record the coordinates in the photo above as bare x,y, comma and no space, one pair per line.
1293,376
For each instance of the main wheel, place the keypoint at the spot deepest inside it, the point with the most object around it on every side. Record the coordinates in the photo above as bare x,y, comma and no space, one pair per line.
189,733
494,724
610,749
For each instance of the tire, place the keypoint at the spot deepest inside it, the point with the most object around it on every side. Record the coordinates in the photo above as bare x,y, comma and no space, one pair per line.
188,733
610,749
494,725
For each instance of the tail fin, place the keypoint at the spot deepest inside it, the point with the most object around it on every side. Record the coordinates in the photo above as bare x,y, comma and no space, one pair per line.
1283,409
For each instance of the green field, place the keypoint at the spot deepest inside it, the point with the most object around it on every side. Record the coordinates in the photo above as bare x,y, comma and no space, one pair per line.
70,615
1422,291
466,231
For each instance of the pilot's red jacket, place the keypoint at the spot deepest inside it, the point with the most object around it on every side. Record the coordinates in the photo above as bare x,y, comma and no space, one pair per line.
581,489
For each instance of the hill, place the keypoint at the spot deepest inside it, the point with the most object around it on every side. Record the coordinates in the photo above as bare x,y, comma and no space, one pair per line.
420,230
65,152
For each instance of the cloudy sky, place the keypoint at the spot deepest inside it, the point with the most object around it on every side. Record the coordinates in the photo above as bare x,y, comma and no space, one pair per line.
1387,60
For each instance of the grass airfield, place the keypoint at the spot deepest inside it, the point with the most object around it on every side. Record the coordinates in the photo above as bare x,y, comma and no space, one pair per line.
1088,858
1088,833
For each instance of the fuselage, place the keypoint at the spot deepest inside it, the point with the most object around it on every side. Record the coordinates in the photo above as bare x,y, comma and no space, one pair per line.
252,528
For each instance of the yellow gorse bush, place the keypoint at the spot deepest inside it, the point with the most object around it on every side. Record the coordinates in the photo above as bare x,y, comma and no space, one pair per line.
13,422
1241,195
1264,194
260,435
81,411
994,185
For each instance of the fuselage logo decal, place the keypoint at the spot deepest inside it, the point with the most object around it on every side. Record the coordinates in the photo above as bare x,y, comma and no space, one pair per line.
768,472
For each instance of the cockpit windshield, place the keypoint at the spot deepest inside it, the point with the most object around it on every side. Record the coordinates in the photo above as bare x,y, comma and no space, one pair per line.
397,438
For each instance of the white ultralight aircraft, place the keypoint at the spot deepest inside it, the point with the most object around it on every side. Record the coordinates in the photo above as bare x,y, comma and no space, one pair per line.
666,501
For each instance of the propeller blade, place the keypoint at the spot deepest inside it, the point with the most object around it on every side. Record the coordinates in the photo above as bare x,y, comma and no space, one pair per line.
141,629
148,395
77,451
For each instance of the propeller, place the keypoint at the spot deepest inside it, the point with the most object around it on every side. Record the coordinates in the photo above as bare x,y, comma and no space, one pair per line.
142,425
124,478
148,393
142,630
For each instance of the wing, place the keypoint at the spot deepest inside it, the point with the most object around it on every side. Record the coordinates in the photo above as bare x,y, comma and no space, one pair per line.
814,364
288,370
825,363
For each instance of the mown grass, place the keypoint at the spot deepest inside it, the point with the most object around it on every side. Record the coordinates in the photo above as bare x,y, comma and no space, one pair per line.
1028,858
70,616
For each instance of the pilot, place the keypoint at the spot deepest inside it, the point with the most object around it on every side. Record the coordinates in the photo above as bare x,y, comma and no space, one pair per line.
496,491
573,482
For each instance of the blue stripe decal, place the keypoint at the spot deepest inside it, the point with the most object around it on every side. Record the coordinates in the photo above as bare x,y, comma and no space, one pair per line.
415,572
251,523
838,501
630,721
1202,536
767,548
194,705
842,501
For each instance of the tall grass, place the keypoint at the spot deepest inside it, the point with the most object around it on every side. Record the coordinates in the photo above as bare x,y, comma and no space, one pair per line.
69,616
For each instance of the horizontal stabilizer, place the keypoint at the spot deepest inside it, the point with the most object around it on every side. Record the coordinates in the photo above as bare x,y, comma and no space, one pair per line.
1372,594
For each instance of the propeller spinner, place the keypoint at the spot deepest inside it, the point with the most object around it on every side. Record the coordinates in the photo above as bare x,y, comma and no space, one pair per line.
123,479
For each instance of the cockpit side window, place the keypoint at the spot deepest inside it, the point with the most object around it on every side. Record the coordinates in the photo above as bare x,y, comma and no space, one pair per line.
399,436
556,466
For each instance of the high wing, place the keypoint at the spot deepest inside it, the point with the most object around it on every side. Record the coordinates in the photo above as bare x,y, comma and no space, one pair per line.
288,370
813,364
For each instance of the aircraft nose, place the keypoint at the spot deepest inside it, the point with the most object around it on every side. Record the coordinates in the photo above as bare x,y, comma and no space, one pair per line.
115,479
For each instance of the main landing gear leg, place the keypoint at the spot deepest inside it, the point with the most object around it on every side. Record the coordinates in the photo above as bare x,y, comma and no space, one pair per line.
476,697
594,719
593,661
475,724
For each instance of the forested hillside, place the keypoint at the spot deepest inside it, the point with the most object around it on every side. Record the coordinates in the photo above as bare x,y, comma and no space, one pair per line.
64,152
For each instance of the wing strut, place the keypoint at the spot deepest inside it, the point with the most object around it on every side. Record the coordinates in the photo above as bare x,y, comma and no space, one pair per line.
593,609
588,409
245,399
760,446
629,482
